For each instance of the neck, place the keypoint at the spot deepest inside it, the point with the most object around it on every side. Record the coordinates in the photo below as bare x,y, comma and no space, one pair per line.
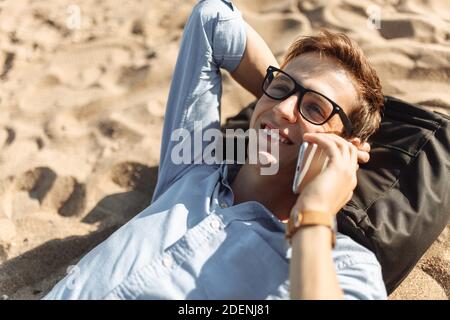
272,191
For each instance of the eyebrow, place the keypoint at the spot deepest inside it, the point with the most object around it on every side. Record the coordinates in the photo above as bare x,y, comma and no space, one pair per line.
283,77
288,75
313,87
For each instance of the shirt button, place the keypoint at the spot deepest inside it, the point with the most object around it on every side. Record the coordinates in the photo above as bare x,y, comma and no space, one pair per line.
215,224
223,205
167,261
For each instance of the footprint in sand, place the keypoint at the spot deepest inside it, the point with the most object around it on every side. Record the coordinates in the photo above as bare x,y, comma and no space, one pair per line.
132,77
64,127
134,176
68,197
7,136
410,27
283,28
434,9
116,130
24,193
132,182
62,193
37,182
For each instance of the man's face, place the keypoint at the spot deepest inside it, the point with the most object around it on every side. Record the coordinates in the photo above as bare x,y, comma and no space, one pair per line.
322,74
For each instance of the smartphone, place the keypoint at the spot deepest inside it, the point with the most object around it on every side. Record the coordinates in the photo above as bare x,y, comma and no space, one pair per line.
310,162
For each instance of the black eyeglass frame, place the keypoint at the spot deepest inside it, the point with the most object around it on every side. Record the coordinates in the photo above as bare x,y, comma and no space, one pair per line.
299,88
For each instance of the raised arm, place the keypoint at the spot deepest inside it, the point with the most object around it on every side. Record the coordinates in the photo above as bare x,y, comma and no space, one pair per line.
215,37
252,68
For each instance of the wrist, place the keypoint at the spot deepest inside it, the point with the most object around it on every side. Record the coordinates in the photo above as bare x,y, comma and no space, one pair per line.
316,221
309,203
312,242
316,236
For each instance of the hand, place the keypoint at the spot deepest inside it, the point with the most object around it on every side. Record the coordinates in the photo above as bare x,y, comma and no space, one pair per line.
330,190
363,150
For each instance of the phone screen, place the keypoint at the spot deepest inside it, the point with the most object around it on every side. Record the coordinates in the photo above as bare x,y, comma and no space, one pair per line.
310,162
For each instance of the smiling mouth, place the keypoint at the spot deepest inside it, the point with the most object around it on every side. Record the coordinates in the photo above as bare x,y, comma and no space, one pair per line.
268,130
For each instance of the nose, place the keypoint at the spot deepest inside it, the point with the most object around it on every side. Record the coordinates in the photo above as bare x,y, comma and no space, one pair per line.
287,108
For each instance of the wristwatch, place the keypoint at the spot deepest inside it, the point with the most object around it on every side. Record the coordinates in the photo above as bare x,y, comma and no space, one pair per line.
299,219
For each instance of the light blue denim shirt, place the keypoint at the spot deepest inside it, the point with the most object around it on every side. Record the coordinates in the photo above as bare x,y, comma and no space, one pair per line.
192,242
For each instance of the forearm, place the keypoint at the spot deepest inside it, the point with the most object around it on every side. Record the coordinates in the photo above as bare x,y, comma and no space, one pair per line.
312,272
252,69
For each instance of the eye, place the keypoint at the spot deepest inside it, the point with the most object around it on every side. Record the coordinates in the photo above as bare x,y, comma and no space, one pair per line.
314,112
314,108
280,87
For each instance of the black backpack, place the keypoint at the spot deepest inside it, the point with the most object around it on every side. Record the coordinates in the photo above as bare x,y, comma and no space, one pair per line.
402,201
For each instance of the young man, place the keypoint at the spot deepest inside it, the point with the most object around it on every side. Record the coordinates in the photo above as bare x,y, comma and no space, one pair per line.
218,231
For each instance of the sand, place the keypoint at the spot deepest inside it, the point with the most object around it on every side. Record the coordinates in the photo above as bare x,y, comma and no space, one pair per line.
84,86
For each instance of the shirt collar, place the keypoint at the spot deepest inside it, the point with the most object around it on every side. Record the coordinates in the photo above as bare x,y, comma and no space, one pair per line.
229,172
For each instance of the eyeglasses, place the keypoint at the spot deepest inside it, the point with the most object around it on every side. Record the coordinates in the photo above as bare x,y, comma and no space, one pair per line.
313,106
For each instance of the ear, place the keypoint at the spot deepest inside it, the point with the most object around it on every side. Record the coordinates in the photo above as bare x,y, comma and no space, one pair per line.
355,141
362,146
363,150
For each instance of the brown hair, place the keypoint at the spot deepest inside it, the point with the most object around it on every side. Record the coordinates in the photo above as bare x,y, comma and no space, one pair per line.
366,114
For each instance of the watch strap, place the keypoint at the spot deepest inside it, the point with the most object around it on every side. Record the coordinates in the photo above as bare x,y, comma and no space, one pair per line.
310,218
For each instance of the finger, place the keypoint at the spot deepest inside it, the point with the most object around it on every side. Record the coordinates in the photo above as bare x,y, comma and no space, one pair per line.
365,147
361,146
363,156
328,146
340,143
344,145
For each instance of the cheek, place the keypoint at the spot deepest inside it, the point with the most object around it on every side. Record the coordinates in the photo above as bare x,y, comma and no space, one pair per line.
263,105
333,126
308,127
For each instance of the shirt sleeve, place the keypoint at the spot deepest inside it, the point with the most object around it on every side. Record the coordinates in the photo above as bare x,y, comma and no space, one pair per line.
358,271
214,38
362,281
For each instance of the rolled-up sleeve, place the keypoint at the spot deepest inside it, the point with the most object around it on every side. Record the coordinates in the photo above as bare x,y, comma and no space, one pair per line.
229,40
